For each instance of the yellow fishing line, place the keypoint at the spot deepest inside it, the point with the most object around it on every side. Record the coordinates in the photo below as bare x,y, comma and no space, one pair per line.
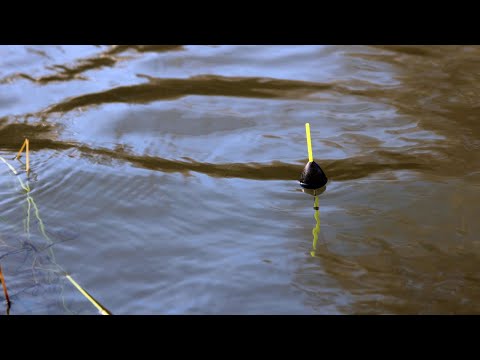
309,142
100,308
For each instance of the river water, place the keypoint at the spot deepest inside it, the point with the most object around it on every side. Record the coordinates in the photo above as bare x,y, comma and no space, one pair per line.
164,179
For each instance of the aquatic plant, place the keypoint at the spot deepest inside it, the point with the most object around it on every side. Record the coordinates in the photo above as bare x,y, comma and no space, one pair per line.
5,291
56,268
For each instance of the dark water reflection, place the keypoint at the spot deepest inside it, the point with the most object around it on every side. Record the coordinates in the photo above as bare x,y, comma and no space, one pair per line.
166,178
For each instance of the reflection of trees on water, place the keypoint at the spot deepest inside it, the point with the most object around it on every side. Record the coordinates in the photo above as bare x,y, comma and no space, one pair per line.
437,86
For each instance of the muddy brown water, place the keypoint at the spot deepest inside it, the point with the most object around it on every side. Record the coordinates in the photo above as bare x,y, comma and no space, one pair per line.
165,178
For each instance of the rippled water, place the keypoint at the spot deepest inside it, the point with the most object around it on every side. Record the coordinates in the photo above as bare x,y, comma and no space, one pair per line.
166,179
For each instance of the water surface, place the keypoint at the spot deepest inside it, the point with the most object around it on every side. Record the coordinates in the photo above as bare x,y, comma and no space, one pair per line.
166,179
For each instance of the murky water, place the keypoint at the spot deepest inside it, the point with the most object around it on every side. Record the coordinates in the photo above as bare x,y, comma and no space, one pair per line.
165,179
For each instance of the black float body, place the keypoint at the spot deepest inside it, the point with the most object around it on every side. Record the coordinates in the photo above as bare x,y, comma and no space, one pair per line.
313,176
